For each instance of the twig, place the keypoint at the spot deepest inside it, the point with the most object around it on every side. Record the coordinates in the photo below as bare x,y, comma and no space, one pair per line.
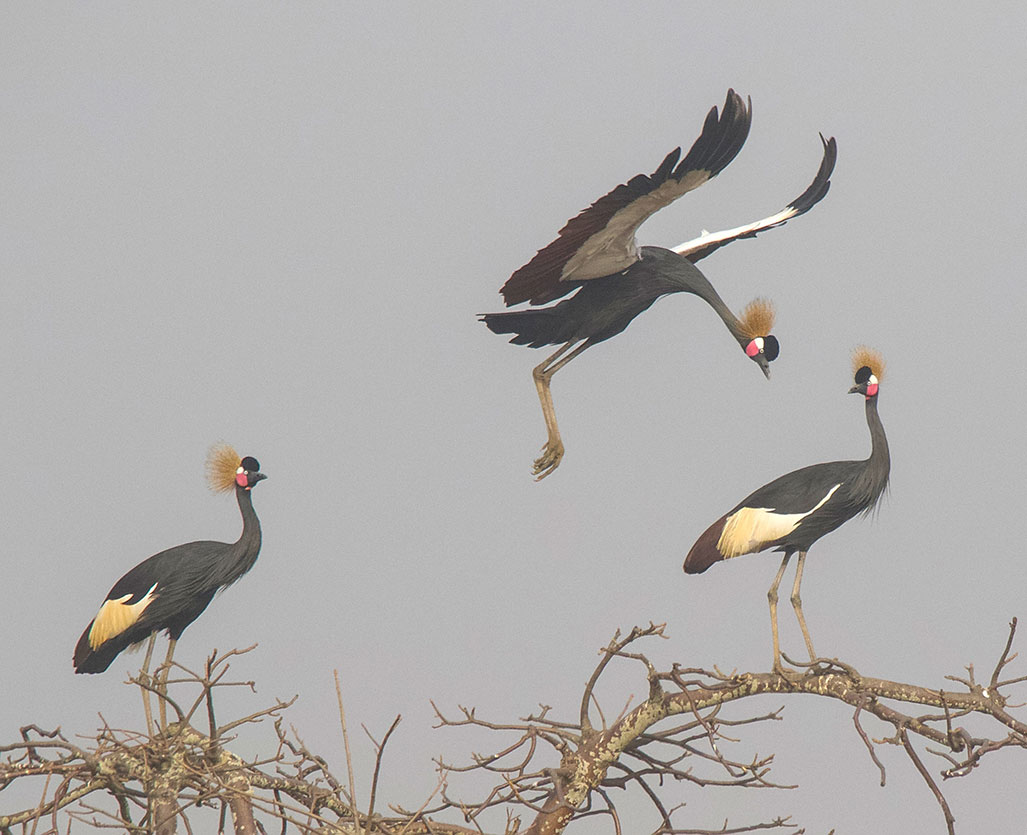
778,823
866,739
440,786
949,820
610,651
349,759
1005,658
378,764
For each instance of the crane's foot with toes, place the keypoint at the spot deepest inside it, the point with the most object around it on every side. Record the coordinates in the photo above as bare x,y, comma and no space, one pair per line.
549,460
821,666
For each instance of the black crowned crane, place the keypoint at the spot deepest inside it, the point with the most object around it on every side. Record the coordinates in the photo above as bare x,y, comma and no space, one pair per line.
596,254
792,512
171,589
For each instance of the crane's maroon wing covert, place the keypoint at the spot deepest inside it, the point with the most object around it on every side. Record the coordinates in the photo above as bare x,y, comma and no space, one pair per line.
609,224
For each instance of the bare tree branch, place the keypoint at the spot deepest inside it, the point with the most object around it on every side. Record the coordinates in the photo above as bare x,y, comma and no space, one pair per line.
631,745
546,770
167,774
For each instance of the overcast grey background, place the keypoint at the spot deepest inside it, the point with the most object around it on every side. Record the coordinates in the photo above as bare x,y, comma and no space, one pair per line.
274,225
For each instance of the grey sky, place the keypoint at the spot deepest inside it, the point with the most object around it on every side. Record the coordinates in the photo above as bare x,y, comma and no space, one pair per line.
274,225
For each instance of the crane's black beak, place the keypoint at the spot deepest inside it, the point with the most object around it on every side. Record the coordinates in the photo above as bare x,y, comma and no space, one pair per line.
762,350
858,390
255,477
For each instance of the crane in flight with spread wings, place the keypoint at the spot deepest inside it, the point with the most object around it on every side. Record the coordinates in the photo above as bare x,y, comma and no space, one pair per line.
597,259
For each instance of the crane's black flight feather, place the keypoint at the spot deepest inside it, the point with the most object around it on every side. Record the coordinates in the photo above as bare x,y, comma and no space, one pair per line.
817,190
542,279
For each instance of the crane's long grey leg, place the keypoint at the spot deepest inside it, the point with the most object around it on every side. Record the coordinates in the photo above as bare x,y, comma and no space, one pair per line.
552,450
163,684
797,605
144,676
772,597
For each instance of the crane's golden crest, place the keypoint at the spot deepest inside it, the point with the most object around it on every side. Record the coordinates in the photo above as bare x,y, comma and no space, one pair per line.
222,465
864,356
757,318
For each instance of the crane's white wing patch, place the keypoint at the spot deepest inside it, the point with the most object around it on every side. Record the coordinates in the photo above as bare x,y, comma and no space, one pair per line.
115,616
747,231
748,529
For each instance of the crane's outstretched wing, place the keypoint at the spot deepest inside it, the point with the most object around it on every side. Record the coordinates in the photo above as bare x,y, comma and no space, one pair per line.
712,241
601,239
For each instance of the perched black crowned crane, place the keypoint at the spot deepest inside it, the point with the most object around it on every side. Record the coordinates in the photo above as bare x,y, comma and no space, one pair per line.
171,589
596,254
792,512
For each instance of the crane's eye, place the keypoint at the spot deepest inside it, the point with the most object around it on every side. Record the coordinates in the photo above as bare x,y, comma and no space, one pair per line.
771,348
863,375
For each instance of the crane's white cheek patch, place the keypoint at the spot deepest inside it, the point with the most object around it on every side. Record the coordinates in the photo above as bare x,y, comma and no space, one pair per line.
749,529
115,616
754,347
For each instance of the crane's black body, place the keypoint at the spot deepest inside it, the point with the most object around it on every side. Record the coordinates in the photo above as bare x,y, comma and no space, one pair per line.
181,582
792,512
801,490
597,258
603,307
856,486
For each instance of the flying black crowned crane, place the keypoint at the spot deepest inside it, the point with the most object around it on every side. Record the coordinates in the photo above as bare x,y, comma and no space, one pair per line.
171,589
596,254
792,512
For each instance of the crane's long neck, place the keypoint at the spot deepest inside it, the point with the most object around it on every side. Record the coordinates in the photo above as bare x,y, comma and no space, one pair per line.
875,473
673,273
701,287
243,552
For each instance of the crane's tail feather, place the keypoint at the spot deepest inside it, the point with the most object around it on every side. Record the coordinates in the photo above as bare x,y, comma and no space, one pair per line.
534,328
705,552
89,660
